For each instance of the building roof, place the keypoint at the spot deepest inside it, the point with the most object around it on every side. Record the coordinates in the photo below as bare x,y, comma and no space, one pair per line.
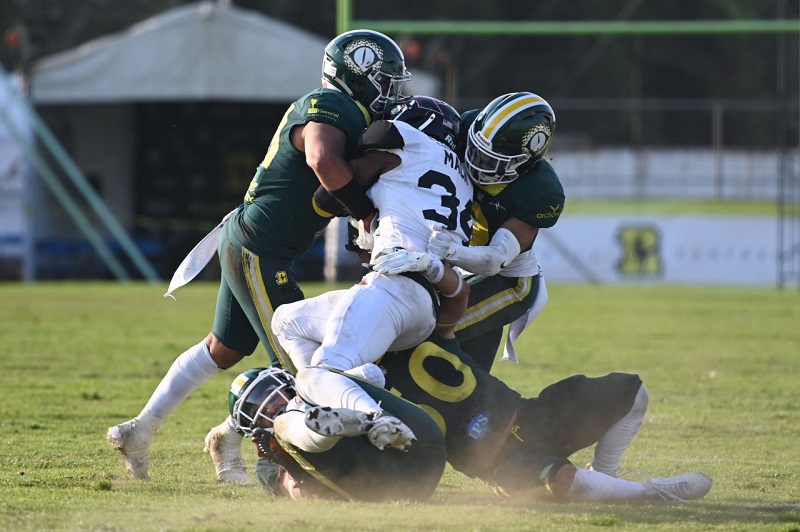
200,51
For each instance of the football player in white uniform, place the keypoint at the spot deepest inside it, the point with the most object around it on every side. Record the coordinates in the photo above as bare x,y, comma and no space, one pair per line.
419,187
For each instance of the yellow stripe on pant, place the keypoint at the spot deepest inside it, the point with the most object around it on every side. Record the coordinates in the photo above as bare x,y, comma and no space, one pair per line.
258,292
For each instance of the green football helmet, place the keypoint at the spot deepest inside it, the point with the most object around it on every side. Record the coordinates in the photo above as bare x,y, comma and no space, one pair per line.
366,65
508,137
259,395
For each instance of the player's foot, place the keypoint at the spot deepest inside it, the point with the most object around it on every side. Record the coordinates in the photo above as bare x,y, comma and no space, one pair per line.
381,428
224,445
387,430
686,487
338,421
133,443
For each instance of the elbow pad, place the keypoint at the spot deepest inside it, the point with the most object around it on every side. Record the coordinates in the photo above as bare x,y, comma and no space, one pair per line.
507,246
489,260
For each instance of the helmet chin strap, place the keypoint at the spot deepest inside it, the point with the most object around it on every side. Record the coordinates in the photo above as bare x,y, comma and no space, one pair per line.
341,86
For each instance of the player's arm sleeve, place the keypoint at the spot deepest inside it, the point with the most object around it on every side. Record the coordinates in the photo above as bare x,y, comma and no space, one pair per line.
489,259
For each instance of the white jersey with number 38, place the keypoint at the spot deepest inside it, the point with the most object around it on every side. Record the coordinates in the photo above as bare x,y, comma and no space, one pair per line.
428,191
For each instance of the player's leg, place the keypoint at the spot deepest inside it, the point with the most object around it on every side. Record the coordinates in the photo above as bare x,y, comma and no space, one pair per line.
357,470
260,285
300,326
577,484
380,314
187,373
494,302
574,413
613,444
346,408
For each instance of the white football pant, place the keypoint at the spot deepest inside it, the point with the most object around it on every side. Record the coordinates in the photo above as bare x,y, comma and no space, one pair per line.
343,329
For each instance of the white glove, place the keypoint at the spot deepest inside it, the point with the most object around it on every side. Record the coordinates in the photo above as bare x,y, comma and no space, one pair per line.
366,238
401,261
442,246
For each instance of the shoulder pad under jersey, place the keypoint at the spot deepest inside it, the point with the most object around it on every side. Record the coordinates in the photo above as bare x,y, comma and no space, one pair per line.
380,135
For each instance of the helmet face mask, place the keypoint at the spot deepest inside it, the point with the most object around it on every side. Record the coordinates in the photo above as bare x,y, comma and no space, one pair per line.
508,137
257,397
366,65
435,118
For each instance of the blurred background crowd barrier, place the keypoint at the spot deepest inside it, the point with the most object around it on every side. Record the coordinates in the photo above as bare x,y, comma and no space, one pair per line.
126,134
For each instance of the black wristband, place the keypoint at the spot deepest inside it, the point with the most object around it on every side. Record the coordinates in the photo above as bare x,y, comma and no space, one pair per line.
326,205
354,199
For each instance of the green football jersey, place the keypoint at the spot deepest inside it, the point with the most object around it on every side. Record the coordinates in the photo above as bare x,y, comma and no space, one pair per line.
536,197
278,217
474,410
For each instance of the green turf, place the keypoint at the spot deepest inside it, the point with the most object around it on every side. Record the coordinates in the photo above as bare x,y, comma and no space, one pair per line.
722,366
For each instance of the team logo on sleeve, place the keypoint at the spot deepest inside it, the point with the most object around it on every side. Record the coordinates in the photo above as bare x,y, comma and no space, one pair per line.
362,56
281,277
477,427
555,212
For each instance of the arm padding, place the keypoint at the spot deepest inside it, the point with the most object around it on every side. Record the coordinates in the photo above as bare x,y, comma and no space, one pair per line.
489,259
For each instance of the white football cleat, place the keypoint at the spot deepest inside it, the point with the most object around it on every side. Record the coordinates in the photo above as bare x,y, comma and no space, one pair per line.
388,430
381,428
224,444
686,487
133,443
338,421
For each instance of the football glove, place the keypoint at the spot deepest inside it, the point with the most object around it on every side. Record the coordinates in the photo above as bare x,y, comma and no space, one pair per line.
366,237
441,246
401,261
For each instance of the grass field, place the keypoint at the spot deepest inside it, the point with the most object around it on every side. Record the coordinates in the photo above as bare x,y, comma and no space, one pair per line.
722,366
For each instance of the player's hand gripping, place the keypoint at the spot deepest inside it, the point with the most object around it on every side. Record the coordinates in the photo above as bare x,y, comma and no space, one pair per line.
441,246
401,261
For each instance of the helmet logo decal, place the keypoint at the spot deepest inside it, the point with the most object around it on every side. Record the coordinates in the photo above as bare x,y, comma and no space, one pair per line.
362,56
536,139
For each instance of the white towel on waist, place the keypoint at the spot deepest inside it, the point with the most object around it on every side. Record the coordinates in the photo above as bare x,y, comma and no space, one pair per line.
198,257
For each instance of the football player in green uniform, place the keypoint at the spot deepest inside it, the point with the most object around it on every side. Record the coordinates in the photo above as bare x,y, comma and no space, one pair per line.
362,462
516,444
305,168
517,193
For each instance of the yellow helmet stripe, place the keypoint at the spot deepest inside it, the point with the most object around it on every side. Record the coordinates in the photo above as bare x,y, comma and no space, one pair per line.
505,113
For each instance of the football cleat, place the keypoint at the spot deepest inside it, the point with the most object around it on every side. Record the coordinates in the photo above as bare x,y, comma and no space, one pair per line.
338,421
686,487
381,429
133,443
224,445
387,430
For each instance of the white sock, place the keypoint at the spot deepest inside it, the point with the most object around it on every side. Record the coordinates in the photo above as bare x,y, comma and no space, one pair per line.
593,486
189,371
609,450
